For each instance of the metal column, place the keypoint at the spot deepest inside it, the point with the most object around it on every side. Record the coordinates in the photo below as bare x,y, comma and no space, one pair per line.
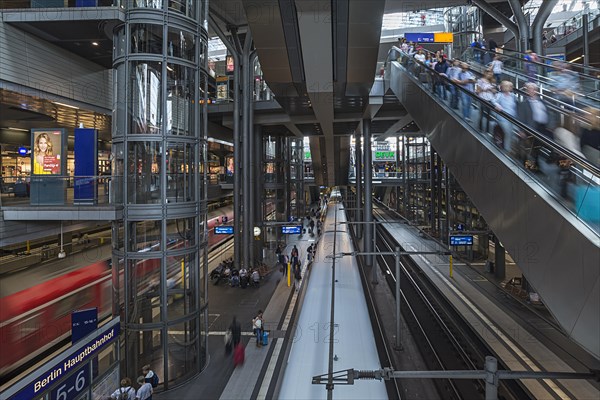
586,40
258,187
237,209
250,175
246,197
359,203
499,259
368,167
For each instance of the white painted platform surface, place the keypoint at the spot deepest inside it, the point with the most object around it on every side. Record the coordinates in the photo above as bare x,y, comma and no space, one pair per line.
354,344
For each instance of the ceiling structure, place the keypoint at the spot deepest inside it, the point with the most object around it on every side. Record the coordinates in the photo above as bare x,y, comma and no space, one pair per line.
319,57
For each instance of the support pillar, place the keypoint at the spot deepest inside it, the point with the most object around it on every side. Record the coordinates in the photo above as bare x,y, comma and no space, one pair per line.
258,188
515,5
499,259
359,203
586,40
538,24
246,149
368,167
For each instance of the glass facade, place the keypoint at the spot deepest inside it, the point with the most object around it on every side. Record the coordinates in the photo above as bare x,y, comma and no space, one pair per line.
159,147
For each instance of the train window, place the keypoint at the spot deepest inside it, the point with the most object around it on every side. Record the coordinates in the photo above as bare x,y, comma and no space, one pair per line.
27,327
73,302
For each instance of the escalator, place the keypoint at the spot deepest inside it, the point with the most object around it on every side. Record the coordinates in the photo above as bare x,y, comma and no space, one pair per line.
547,219
546,72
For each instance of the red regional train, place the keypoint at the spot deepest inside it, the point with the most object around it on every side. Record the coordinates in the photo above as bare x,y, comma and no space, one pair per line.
35,319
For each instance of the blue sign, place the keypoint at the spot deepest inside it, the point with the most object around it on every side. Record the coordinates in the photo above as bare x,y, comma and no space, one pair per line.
420,37
460,227
291,230
73,385
22,151
86,166
46,378
223,230
83,322
461,240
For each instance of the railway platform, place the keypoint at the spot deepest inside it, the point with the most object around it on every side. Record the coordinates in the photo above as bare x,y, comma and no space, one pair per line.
278,301
521,337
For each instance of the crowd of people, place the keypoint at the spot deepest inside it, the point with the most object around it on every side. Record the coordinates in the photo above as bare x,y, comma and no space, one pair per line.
560,115
146,384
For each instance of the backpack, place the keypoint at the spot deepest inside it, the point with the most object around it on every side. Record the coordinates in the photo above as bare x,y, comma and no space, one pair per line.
154,380
124,395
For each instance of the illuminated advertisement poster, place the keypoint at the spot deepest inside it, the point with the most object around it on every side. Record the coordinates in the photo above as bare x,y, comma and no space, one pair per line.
222,87
229,62
46,154
230,166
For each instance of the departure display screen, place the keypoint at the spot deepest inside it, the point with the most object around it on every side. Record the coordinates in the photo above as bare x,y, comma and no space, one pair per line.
223,230
462,240
291,230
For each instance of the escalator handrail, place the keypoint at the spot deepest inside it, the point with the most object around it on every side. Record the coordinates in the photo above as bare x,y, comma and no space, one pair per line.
546,79
550,102
594,170
540,64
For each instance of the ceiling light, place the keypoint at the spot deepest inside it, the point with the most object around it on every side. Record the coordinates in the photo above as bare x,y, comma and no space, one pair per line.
95,44
18,129
65,105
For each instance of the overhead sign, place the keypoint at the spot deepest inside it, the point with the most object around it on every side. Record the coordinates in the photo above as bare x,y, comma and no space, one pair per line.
47,377
291,230
443,37
71,387
83,322
425,37
462,240
420,37
224,230
385,156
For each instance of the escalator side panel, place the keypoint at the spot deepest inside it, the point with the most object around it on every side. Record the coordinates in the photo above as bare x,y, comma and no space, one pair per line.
557,253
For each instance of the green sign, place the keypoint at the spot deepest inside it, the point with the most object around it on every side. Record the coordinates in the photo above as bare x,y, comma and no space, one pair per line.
385,155
307,155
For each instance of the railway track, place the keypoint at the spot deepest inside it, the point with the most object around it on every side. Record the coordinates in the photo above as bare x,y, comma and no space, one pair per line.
446,342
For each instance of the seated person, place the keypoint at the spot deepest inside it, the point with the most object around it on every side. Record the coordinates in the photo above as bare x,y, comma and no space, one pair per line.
255,276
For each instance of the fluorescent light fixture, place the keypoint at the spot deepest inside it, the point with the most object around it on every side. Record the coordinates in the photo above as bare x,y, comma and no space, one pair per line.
219,141
65,105
95,44
18,129
576,59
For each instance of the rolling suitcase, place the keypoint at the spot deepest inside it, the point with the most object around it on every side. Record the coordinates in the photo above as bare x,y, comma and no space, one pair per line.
238,355
265,338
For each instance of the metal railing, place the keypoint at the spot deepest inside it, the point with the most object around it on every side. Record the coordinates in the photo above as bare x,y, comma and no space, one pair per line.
572,179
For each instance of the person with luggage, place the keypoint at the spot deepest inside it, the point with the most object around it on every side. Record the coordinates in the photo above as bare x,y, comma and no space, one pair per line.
150,376
257,325
297,276
125,391
236,331
294,255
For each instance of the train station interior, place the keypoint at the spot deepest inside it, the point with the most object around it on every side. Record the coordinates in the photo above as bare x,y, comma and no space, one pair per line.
299,199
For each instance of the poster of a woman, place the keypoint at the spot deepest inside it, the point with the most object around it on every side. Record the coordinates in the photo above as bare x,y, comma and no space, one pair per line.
46,152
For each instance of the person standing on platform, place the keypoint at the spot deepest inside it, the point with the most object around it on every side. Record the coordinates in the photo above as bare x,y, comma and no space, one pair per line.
145,390
150,376
294,255
278,252
236,331
125,392
297,276
257,325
